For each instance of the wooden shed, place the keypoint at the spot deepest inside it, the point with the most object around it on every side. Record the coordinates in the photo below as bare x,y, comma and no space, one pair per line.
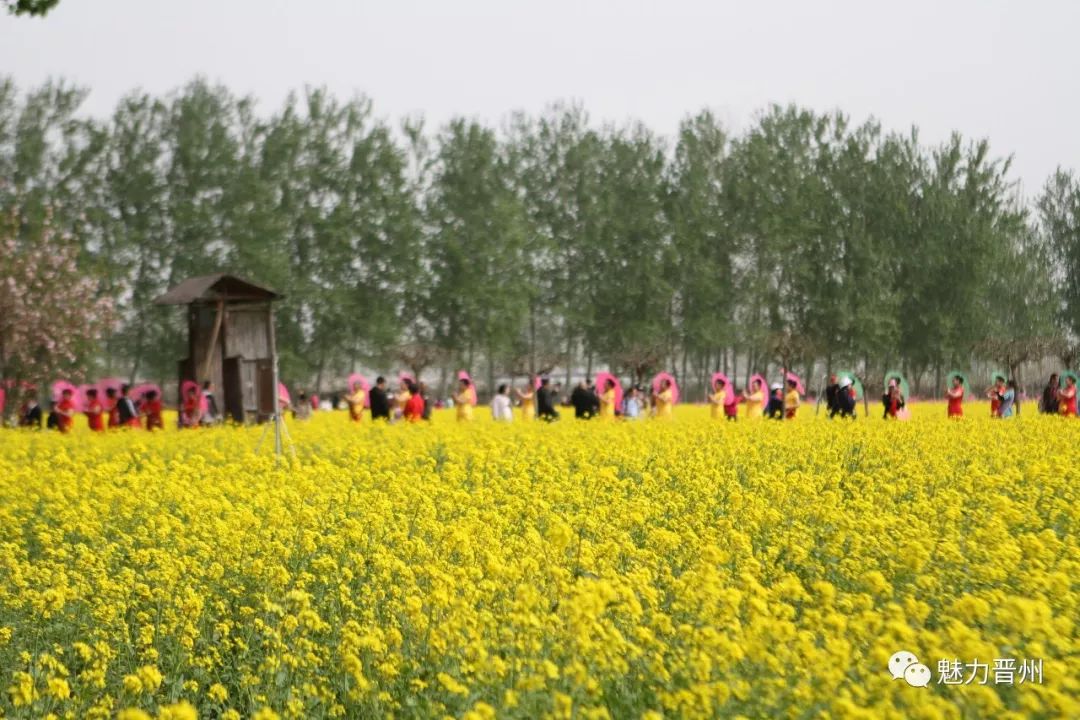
230,342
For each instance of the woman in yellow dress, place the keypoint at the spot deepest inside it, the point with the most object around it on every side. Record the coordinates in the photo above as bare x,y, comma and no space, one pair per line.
717,400
607,401
463,401
662,401
528,401
755,400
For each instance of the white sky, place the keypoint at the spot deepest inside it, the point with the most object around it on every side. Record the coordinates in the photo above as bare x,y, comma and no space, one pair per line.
1008,71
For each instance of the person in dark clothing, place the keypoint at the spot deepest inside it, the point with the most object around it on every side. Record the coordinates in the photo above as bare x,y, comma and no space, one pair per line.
845,400
1048,405
128,415
31,414
545,402
53,421
426,414
211,415
775,409
377,398
832,397
583,400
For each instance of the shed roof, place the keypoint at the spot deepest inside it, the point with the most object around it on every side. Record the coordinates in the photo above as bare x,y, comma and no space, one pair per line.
211,288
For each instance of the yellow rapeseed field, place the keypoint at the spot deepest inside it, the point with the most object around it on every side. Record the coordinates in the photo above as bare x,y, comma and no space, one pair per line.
628,570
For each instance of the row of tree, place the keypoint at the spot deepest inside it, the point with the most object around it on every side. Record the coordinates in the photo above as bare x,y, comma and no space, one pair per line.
550,242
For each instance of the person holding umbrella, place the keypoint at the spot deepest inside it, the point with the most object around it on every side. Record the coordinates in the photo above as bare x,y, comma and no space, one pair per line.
955,394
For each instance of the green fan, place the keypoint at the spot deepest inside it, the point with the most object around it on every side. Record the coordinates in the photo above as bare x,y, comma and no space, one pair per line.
1066,374
963,381
905,389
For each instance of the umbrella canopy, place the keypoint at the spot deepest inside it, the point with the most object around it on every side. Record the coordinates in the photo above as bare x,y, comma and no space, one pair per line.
799,387
601,386
855,382
186,387
358,381
1067,374
896,375
729,389
537,382
464,375
138,391
758,378
283,393
402,376
661,377
60,386
106,384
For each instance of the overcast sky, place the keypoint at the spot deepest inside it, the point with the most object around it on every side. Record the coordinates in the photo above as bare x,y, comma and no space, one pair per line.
1008,71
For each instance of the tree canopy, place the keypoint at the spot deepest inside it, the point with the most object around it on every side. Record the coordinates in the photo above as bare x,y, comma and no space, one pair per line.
549,241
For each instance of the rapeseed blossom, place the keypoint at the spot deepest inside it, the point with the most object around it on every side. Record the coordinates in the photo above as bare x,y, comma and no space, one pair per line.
689,568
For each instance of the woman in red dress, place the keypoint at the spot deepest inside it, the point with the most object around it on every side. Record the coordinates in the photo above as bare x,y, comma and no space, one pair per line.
995,393
112,407
65,411
95,413
956,397
1067,397
414,406
190,412
150,408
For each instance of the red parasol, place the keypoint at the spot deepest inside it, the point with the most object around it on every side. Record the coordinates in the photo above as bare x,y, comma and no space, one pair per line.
464,375
729,389
105,384
601,386
660,377
356,380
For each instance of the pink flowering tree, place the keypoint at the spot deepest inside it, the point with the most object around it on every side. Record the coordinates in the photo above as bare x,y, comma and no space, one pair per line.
51,317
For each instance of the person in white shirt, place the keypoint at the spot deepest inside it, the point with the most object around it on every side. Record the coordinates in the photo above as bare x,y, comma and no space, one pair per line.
500,406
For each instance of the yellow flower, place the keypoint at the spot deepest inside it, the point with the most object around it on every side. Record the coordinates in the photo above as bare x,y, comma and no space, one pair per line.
218,693
178,711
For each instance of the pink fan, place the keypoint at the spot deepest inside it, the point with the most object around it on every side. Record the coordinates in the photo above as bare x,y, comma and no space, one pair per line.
463,375
537,382
283,393
3,399
660,377
356,380
789,376
730,396
601,386
138,391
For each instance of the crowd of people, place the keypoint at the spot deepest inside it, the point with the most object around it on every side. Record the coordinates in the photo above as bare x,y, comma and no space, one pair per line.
110,406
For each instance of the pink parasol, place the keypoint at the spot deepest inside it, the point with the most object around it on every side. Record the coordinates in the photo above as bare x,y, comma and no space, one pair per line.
660,377
405,376
283,393
601,386
759,378
356,380
537,382
3,399
189,385
105,384
463,375
788,376
730,396
136,393
60,386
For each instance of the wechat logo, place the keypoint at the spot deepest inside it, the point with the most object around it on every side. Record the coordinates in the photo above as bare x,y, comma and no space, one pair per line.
905,665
